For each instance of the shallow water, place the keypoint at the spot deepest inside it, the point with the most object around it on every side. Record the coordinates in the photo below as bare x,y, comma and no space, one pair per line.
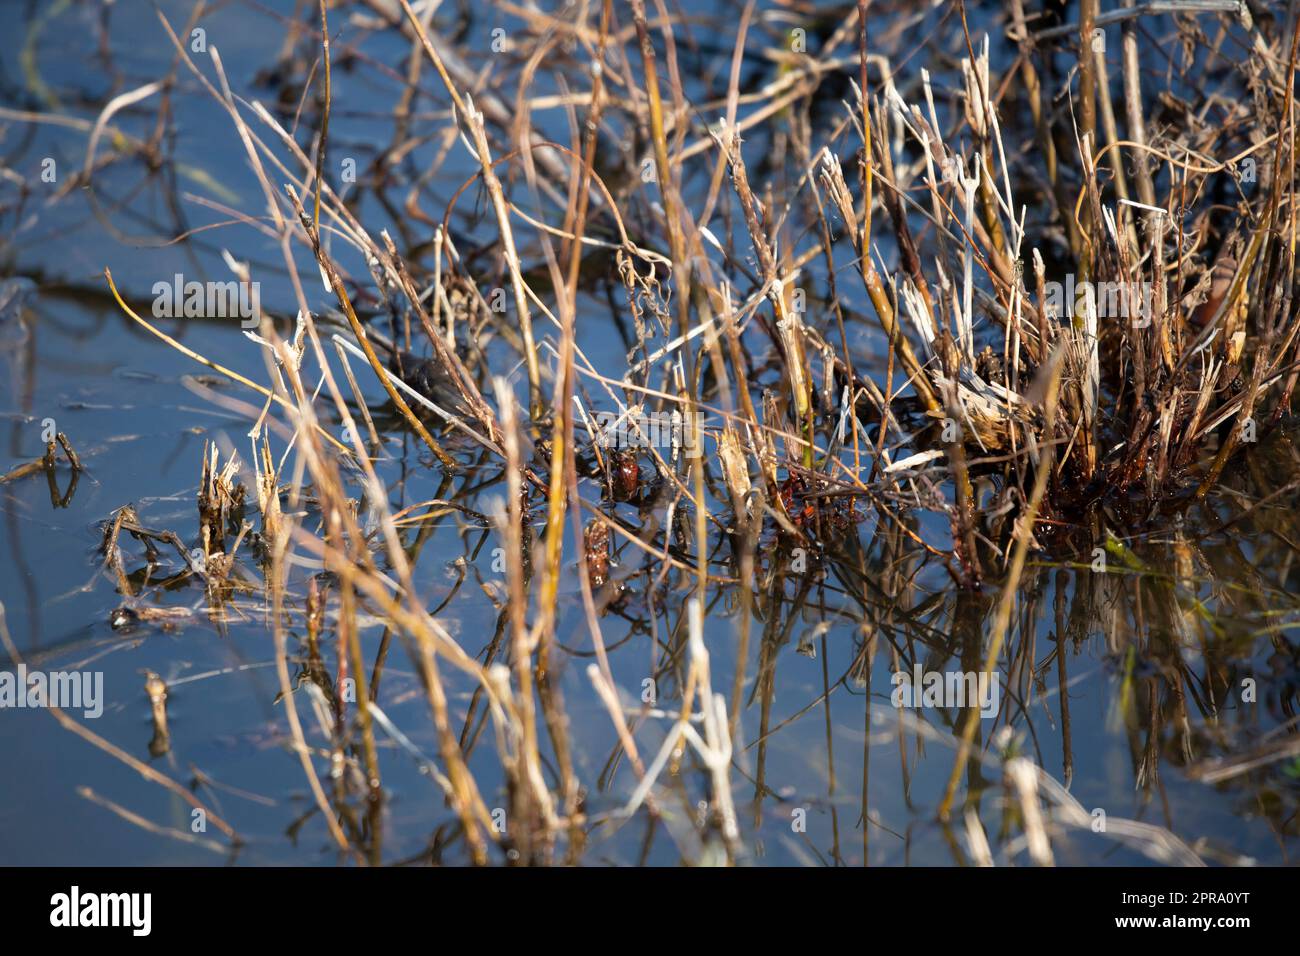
1125,686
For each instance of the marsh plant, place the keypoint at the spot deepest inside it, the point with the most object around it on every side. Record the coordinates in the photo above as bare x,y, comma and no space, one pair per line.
966,293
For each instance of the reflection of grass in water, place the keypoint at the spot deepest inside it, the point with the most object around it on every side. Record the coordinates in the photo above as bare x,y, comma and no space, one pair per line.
27,55
880,509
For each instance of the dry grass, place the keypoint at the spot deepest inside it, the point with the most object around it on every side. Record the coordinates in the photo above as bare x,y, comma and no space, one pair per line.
926,231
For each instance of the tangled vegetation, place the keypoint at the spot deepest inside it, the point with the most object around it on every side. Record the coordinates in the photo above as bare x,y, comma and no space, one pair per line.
932,323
